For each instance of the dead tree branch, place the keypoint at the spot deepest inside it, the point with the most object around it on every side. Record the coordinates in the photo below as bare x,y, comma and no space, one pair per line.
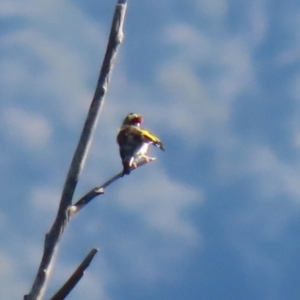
65,290
53,236
93,193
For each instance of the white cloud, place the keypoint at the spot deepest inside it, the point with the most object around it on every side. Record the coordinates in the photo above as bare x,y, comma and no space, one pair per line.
198,102
276,176
44,200
11,286
160,203
24,127
192,116
237,158
195,108
58,47
187,40
45,62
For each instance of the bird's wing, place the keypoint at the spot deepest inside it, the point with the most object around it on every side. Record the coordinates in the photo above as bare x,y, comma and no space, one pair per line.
133,134
148,137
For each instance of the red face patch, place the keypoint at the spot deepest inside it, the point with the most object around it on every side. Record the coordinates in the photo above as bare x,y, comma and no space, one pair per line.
138,119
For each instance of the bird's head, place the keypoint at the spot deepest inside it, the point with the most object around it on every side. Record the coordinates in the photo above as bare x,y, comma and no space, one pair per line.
133,119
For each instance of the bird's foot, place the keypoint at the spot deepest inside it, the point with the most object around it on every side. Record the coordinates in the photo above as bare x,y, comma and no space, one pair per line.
148,158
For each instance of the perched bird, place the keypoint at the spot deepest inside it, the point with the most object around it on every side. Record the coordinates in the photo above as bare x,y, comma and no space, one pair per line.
134,142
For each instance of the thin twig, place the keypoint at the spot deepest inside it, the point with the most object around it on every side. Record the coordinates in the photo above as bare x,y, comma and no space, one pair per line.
53,237
64,291
93,193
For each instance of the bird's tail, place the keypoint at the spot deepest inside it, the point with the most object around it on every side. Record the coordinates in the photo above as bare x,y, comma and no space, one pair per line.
126,168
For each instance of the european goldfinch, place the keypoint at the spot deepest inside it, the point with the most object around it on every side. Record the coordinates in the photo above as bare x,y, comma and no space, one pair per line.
134,142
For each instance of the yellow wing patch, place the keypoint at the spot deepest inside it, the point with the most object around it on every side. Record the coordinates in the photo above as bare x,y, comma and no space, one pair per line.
151,137
148,136
129,133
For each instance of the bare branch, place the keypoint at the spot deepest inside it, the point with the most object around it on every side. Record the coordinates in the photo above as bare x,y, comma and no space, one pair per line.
64,291
53,237
93,193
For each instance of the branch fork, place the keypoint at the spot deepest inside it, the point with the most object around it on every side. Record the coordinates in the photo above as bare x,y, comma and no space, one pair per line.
53,236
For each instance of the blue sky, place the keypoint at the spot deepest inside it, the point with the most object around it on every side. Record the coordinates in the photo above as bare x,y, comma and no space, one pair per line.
217,215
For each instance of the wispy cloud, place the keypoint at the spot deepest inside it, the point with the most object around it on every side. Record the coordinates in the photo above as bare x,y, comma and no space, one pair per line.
214,56
160,202
26,128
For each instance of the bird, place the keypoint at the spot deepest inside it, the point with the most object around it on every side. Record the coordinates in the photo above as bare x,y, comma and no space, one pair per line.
134,142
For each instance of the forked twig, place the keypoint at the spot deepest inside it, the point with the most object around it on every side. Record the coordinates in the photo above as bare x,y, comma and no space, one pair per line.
64,291
54,235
